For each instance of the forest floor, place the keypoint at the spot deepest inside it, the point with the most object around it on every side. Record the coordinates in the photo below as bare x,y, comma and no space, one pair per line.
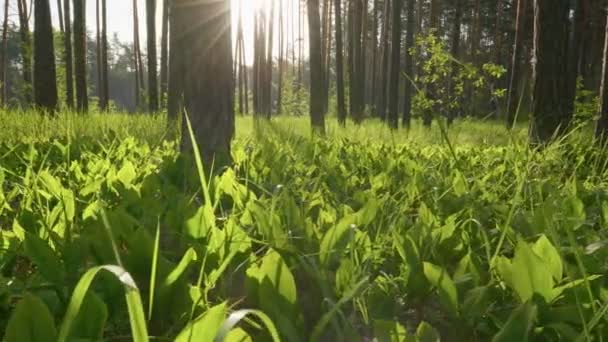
364,233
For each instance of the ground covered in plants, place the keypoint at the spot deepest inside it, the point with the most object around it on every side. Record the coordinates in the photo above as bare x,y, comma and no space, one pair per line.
111,234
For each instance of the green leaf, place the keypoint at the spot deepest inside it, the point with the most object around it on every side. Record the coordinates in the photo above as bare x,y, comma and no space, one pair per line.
389,331
91,319
544,249
228,334
527,274
126,174
205,327
280,280
426,333
30,322
440,279
336,239
519,325
51,184
49,265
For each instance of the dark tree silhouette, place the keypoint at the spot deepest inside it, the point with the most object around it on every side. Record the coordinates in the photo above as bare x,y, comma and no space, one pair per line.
601,131
393,96
317,119
152,67
409,64
339,64
80,56
67,42
45,81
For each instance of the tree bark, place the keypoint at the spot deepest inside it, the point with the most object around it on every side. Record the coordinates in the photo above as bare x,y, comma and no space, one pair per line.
60,15
317,119
393,96
26,50
80,56
204,44
339,64
98,52
601,131
176,69
512,100
383,77
105,86
281,59
550,107
409,64
455,50
268,73
3,59
373,76
69,71
164,52
45,81
152,64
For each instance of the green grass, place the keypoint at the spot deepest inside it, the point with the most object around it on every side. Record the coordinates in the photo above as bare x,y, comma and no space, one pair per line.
363,233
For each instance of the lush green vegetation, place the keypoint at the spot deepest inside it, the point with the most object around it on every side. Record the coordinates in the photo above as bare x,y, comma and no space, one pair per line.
365,233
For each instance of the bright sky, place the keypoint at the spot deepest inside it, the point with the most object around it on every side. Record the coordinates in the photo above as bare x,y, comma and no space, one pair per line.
120,20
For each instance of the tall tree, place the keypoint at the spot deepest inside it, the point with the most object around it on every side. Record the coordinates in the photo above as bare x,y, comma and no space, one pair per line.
455,50
601,131
3,57
281,59
409,64
317,119
339,64
105,87
515,65
164,51
269,59
152,67
60,15
383,76
176,69
98,51
204,45
80,55
551,112
139,68
67,42
393,96
45,83
374,62
26,49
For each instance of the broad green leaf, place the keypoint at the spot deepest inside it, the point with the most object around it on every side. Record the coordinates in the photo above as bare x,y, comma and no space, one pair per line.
426,333
91,319
49,265
31,321
441,280
127,174
228,334
176,273
280,280
389,331
544,249
520,324
51,184
205,327
526,274
336,239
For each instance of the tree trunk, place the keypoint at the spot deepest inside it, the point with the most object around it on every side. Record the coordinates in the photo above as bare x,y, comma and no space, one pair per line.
601,131
409,65
60,15
105,86
80,56
164,52
512,100
550,107
317,119
202,28
98,52
357,87
281,59
393,96
574,51
45,82
268,73
455,50
69,71
26,50
176,69
152,67
373,77
383,77
339,64
3,59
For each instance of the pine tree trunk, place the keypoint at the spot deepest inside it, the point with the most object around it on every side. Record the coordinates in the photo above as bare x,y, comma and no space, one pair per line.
357,110
208,83
176,69
26,50
383,77
152,67
45,82
164,52
80,56
281,59
601,131
373,76
393,96
69,68
454,51
512,98
550,107
269,64
339,64
317,119
104,57
98,52
60,15
3,59
409,64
